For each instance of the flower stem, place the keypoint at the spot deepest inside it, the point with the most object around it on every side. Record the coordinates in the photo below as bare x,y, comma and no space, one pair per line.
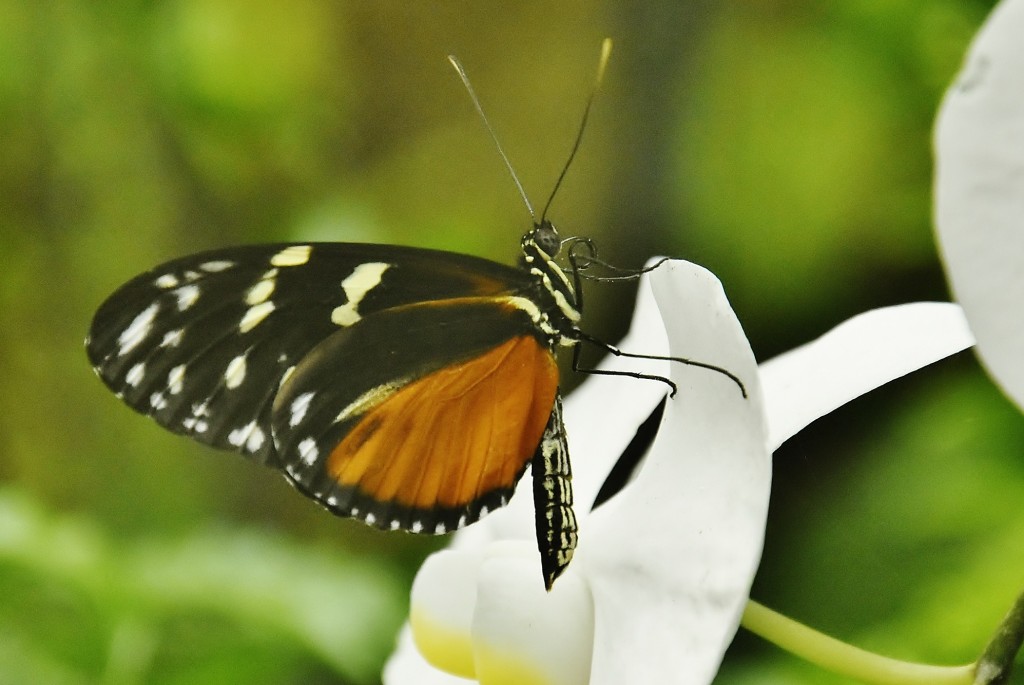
997,659
844,659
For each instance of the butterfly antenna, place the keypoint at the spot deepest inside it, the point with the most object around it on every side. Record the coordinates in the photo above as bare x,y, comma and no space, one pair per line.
480,110
602,62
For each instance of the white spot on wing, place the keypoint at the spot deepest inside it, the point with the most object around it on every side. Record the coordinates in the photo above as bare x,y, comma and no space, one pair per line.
356,285
260,292
250,435
187,296
137,330
417,527
395,524
286,375
166,281
195,425
238,436
371,518
300,405
157,401
368,400
215,266
235,373
254,315
308,451
293,255
440,529
135,374
172,338
256,440
176,379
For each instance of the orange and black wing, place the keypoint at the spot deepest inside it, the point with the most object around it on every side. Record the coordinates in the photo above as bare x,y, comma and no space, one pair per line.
421,417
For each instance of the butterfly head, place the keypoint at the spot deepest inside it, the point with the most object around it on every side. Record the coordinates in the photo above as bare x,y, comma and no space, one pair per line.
544,236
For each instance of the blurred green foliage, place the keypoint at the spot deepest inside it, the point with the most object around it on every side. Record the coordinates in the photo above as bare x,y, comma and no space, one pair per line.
784,144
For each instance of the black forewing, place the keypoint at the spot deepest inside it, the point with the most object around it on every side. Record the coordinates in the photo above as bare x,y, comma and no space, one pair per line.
169,342
389,348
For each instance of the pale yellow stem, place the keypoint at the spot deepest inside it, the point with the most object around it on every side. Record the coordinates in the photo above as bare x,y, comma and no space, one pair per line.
844,659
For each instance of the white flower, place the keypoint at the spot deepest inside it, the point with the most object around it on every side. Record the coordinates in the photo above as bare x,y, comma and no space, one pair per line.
663,569
979,193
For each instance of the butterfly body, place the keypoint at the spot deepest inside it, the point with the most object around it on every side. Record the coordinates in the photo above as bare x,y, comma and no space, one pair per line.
405,387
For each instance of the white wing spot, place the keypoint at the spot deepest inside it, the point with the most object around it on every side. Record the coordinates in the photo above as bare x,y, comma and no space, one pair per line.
439,529
176,379
395,524
308,451
370,518
293,255
215,266
235,373
332,500
256,440
166,281
417,526
356,285
137,330
195,425
254,315
192,275
260,292
157,401
368,400
462,522
201,409
300,405
172,338
286,375
483,511
187,296
238,436
135,374
250,435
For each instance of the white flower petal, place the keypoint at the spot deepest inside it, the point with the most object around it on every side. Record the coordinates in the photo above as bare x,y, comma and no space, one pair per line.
408,667
980,193
602,414
525,635
441,610
670,559
854,358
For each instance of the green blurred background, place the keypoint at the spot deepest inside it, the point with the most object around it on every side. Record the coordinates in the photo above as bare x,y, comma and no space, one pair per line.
783,144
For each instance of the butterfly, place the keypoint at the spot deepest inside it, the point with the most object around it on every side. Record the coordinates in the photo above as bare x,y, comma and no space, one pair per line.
408,388
405,387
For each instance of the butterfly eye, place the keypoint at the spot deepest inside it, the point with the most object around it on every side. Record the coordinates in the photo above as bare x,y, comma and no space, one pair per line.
546,237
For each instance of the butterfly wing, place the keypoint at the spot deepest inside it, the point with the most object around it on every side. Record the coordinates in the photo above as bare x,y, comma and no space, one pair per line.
420,417
202,343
